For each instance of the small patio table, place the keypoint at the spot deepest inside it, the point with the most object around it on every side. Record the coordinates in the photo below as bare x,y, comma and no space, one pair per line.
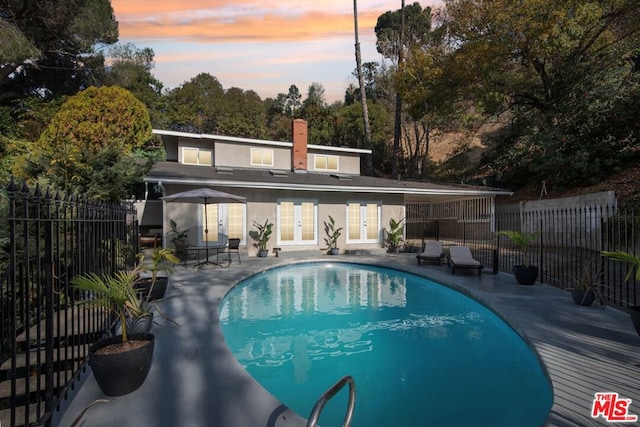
206,248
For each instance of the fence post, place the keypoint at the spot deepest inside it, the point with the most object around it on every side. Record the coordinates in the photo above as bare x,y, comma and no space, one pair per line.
541,259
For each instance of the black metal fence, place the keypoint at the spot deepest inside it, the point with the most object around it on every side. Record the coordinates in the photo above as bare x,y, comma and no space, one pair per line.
569,244
48,239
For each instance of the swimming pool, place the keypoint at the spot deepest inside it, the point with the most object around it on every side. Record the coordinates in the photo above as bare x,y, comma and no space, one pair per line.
420,352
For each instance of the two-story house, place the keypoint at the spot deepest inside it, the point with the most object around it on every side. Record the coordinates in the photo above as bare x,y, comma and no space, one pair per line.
295,185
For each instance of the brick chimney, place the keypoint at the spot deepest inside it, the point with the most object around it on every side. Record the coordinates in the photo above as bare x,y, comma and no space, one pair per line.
299,150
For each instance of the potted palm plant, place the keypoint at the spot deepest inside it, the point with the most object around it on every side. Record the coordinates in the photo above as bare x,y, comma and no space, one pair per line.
395,235
332,235
154,287
525,273
262,236
634,263
586,285
177,233
120,364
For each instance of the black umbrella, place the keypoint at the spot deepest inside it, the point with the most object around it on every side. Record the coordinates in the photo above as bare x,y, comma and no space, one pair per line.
204,196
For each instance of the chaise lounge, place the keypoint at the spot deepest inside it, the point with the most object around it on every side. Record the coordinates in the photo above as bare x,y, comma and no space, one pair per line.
432,252
460,257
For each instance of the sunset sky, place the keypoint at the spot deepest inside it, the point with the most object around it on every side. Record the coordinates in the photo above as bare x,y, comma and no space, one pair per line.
265,45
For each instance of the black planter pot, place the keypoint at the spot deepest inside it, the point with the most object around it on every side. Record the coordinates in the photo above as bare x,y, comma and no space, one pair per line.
583,297
634,311
123,372
525,275
143,286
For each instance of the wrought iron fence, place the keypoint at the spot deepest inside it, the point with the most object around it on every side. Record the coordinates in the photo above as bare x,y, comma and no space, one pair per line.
44,334
569,240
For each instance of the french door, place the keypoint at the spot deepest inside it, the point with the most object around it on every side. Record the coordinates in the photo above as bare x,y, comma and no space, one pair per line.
224,221
297,222
363,222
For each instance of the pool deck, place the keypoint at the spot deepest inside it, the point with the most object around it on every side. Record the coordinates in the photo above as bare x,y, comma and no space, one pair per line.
196,381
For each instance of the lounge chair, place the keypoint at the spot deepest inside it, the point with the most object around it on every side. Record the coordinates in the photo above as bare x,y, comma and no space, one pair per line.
460,257
432,252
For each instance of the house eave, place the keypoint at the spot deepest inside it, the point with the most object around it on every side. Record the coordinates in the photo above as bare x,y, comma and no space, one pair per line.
332,188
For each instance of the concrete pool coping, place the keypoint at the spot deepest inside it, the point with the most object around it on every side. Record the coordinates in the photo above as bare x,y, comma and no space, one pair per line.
196,381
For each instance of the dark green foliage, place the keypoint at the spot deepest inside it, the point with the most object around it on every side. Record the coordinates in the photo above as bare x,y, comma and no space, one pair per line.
88,146
60,58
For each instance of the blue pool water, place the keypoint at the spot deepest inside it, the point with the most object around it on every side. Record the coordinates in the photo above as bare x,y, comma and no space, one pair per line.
420,353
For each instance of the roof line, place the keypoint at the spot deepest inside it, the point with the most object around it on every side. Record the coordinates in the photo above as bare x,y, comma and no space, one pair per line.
332,188
256,141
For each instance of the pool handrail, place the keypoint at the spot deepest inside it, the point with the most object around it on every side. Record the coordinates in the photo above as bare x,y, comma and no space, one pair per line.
327,395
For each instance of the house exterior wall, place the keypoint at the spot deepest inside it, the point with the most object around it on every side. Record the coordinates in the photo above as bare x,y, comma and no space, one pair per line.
236,155
348,163
263,204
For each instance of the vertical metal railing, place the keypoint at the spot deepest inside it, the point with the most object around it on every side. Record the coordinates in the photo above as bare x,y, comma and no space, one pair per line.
44,335
568,239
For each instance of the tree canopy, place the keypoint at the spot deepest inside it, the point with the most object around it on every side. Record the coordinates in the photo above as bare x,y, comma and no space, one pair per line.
52,45
89,143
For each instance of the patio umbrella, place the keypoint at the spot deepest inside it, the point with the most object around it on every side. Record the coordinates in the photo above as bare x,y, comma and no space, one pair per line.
204,196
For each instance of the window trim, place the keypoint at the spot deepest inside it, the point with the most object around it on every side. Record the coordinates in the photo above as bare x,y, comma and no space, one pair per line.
327,157
198,150
261,150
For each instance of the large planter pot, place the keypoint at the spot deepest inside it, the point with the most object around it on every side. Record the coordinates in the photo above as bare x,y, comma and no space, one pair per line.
333,251
525,275
583,297
263,253
143,286
634,311
118,368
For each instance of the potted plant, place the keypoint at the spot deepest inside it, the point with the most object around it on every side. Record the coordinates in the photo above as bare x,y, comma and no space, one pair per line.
525,273
262,236
634,262
332,235
120,364
178,234
586,285
154,287
395,235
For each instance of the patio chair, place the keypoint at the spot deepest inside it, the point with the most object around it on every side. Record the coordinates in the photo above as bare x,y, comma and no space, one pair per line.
460,257
432,252
182,253
234,247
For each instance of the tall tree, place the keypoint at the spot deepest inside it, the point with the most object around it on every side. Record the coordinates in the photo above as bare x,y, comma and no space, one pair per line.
294,100
59,56
315,95
196,105
368,163
243,114
131,69
89,144
563,73
396,32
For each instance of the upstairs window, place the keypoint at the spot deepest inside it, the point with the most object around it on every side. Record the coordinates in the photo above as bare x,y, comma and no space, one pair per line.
261,157
197,156
325,163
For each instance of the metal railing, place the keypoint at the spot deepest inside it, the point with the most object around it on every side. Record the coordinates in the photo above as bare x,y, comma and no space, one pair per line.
327,395
44,334
568,239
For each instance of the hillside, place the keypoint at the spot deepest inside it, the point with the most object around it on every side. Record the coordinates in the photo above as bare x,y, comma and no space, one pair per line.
625,184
